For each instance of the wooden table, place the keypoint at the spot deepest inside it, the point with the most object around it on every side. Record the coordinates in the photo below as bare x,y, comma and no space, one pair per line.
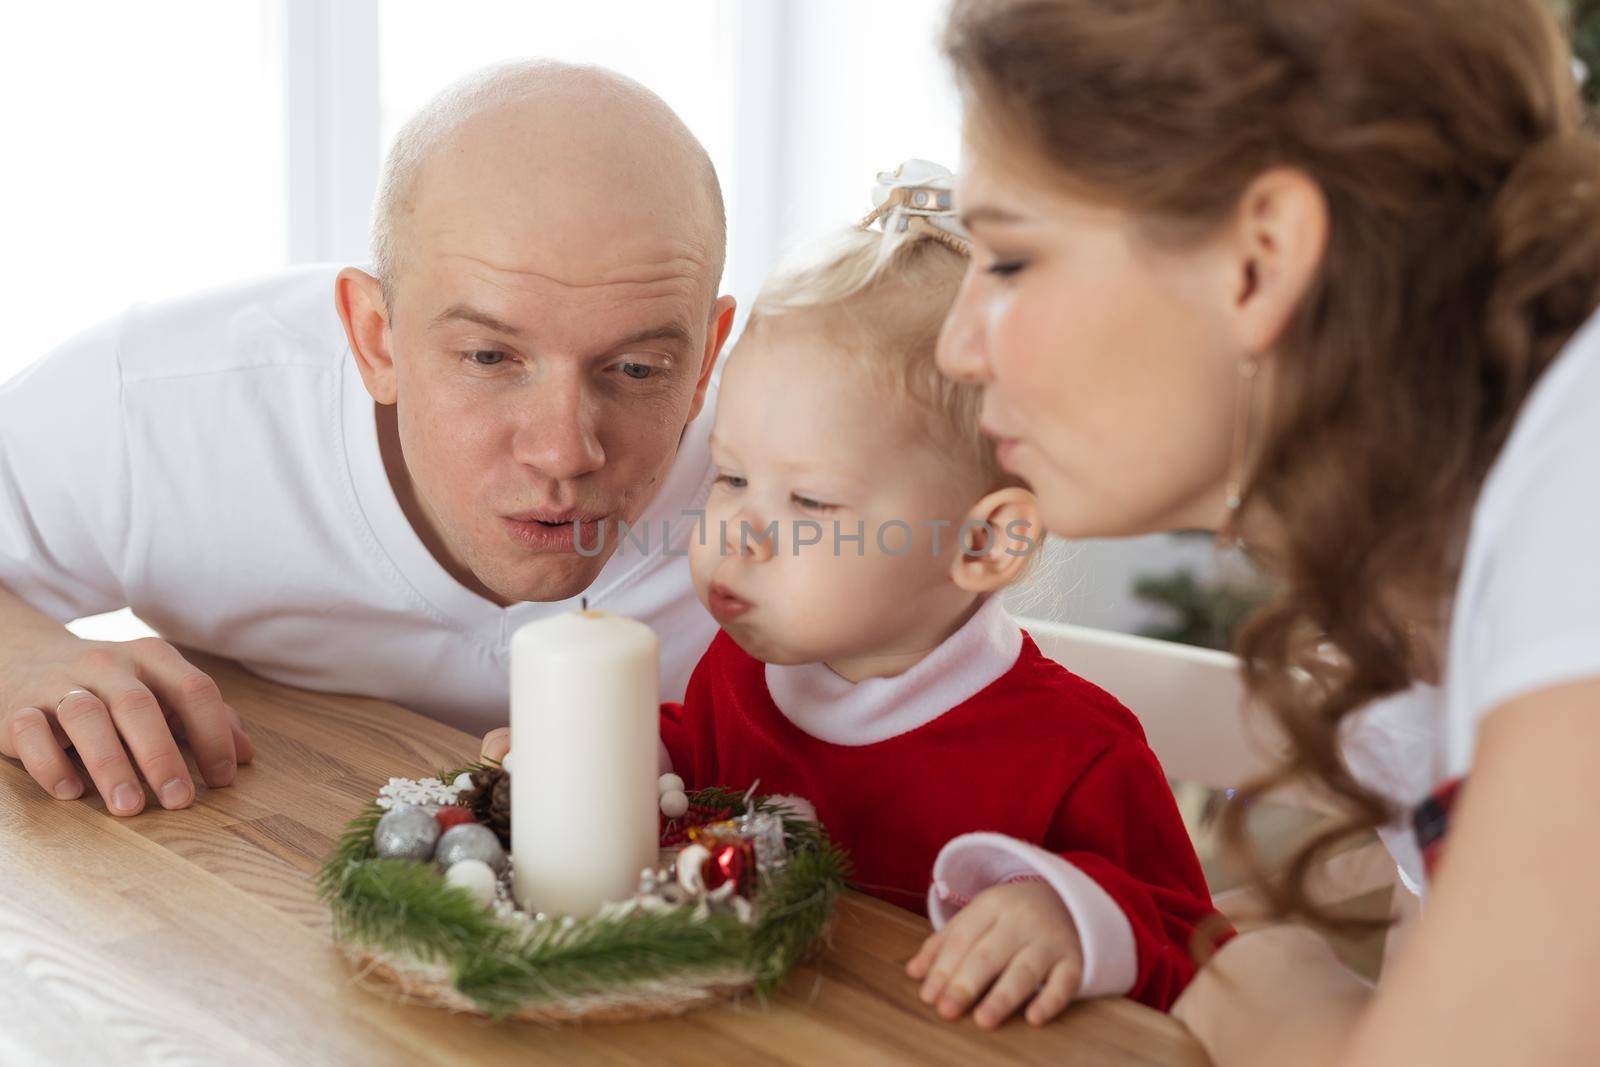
194,936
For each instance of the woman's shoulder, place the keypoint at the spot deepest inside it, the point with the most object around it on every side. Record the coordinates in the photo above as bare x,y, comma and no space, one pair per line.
1527,606
1543,488
1557,431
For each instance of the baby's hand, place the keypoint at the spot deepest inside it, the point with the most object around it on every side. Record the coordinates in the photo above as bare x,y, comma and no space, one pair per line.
1017,936
496,743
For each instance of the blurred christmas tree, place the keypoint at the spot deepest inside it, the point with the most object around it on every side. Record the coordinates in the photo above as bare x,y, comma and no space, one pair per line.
1583,20
1202,611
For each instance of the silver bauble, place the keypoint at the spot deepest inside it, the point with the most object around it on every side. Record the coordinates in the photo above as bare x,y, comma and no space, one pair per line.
470,841
406,832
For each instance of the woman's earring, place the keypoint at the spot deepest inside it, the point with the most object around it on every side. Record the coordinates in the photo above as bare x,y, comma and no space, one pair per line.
1243,416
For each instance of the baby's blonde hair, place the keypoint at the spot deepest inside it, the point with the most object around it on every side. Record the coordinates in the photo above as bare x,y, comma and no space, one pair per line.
884,297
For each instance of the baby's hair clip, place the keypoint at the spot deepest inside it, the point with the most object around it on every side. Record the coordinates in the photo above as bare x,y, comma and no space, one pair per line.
918,197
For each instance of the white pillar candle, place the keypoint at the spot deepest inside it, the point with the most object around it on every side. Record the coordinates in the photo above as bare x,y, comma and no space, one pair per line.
584,724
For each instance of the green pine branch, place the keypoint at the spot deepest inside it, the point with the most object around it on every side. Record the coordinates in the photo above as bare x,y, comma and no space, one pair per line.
597,956
795,910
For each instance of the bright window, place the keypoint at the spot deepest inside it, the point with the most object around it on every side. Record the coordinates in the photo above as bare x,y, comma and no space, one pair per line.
800,104
868,89
674,49
684,52
144,158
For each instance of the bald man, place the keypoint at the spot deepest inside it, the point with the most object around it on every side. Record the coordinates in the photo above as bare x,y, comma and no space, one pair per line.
365,482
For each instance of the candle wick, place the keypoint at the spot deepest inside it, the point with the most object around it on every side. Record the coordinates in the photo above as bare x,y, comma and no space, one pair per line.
585,602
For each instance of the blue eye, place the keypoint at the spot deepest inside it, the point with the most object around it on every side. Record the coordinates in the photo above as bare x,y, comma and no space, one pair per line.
732,481
638,371
487,358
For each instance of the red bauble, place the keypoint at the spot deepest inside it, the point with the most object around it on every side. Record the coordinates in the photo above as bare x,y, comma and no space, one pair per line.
730,863
448,817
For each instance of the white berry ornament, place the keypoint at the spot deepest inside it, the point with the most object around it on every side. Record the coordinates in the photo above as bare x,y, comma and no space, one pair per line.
674,800
475,877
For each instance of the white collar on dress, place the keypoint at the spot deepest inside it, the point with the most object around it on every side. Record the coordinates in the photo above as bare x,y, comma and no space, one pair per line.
841,712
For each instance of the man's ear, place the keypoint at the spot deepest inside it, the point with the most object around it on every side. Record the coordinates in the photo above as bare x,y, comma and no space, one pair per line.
717,336
1275,247
365,314
997,537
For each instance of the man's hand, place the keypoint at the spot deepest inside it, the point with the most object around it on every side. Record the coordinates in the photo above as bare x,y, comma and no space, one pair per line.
496,743
1011,940
112,700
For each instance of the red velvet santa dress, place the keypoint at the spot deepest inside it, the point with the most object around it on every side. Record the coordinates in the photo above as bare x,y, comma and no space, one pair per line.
984,763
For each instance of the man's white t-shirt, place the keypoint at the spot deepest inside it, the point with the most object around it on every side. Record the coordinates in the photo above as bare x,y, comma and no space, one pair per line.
213,464
1526,611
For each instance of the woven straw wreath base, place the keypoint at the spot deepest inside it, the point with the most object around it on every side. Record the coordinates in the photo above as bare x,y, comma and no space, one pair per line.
412,981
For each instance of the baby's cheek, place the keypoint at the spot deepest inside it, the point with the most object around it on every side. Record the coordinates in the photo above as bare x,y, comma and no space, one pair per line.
845,590
702,561
803,596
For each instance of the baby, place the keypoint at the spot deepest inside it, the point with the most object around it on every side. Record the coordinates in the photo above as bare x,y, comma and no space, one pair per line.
855,544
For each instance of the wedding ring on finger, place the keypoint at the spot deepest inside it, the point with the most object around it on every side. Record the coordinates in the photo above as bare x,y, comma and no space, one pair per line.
69,693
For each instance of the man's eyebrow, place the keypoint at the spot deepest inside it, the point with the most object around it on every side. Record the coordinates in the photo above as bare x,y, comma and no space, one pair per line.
467,313
671,331
986,214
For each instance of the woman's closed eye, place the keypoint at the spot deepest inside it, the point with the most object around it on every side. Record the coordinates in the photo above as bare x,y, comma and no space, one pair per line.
1006,268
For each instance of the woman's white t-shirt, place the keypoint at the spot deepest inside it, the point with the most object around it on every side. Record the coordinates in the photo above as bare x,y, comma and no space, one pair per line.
213,463
1526,612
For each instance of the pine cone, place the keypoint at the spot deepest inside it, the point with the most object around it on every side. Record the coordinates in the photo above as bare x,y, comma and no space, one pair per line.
490,801
500,810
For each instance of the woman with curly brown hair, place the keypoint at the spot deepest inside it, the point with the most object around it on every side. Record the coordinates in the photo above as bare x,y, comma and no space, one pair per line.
1319,275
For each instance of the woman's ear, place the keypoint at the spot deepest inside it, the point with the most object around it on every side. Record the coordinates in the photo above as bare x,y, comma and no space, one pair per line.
996,538
358,296
1276,246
